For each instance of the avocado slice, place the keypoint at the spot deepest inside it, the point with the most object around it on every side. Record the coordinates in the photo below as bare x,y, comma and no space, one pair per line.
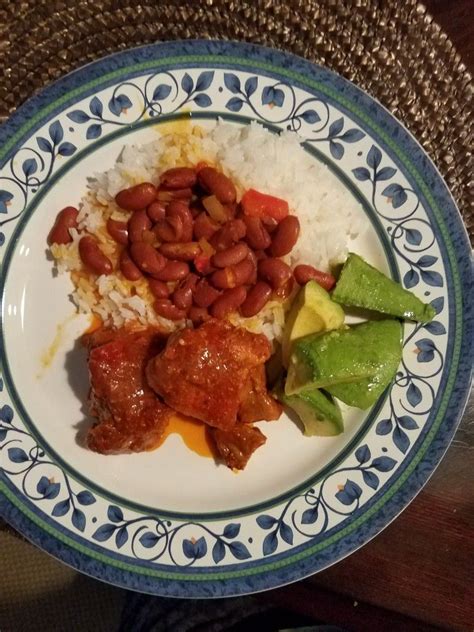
317,411
312,311
362,285
342,356
364,393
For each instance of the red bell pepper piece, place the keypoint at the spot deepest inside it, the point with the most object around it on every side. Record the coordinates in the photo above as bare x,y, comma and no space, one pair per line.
258,204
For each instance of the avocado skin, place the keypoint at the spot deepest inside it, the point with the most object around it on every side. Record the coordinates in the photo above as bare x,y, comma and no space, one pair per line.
317,411
366,354
362,285
364,393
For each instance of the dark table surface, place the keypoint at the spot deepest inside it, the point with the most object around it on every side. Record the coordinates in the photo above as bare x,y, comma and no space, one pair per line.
419,573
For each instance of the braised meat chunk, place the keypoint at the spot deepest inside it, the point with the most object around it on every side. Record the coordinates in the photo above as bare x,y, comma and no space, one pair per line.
257,403
131,418
204,373
236,446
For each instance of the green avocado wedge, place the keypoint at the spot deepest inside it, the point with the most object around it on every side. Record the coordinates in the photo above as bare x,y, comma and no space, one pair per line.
362,285
344,356
317,411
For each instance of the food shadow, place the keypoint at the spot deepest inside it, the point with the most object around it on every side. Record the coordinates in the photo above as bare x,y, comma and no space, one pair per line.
78,379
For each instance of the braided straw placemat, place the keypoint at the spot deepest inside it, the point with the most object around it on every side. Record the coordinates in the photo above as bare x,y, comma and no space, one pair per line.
392,49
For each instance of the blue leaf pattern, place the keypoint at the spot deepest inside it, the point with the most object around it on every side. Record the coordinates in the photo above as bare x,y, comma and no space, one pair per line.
203,100
385,174
309,516
370,479
413,236
250,86
436,328
438,304
286,533
56,132
335,128
161,92
79,519
105,532
187,83
407,422
426,261
270,543
414,395
336,149
383,463
232,83
362,454
401,440
6,414
78,116
114,513
121,537
44,144
311,117
148,539
235,104
94,131
218,551
95,106
374,157
411,279
30,167
384,427
17,455
239,550
352,135
266,522
61,508
204,80
85,498
361,173
231,530
430,277
66,149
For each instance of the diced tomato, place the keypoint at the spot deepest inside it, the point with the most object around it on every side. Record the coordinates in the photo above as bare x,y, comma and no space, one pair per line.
202,263
259,204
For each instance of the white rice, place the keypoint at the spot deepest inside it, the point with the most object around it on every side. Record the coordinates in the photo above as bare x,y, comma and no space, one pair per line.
252,157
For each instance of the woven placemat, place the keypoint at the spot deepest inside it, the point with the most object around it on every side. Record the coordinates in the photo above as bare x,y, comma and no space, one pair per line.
390,48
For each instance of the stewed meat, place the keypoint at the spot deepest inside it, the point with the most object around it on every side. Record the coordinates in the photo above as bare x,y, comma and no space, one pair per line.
236,446
131,418
205,372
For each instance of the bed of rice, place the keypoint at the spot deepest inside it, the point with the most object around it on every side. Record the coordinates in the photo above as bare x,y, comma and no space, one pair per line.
252,157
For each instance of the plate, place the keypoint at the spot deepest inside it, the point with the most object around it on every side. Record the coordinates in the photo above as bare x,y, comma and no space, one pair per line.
169,522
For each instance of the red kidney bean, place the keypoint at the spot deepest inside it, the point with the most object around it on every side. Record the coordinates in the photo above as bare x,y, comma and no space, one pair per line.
270,223
230,256
137,224
233,231
182,251
172,271
66,219
118,231
198,315
204,226
129,270
285,290
178,208
257,297
260,254
165,308
178,178
205,294
147,258
203,265
305,273
232,276
169,229
137,197
190,281
93,257
285,236
275,271
158,288
156,211
228,302
257,235
218,184
254,261
183,297
167,195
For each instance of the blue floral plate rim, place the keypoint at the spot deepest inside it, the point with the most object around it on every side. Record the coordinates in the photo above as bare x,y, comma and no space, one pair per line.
300,562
